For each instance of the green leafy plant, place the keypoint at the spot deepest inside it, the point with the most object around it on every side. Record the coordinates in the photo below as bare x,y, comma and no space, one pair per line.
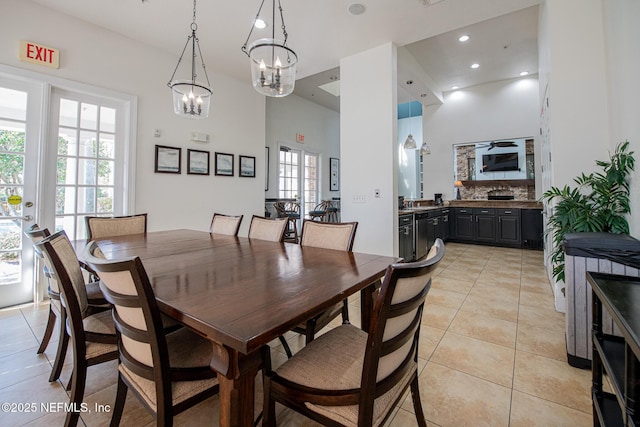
600,203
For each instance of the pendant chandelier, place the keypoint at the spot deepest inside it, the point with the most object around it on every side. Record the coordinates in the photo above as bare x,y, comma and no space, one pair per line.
424,149
191,98
273,63
410,143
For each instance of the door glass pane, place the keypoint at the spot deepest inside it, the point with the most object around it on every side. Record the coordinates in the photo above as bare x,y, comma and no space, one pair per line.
105,199
88,116
68,113
87,200
107,146
67,144
86,171
12,104
88,144
66,173
107,119
105,172
65,200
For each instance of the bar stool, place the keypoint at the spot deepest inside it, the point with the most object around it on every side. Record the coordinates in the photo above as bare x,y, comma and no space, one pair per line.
320,211
332,212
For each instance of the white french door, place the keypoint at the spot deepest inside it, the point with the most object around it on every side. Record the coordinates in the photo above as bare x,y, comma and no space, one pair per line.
20,118
55,175
298,178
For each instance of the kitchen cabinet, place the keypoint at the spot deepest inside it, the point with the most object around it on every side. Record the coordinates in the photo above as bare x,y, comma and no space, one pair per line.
508,227
463,224
616,356
485,225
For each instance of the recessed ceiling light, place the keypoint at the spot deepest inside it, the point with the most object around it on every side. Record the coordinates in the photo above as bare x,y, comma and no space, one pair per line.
474,66
463,38
524,73
260,23
455,87
357,9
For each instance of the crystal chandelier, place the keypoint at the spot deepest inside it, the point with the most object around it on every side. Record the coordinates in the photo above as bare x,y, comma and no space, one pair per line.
191,98
273,63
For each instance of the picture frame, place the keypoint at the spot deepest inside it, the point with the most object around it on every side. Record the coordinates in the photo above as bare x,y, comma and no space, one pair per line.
198,162
266,168
334,174
224,164
168,159
247,166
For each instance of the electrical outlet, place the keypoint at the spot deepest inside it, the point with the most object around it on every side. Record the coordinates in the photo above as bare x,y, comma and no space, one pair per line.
358,198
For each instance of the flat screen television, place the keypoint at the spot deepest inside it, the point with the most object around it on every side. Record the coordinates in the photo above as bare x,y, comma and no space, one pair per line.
500,162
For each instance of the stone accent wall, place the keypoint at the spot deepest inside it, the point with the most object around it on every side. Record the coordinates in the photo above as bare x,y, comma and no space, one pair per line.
466,155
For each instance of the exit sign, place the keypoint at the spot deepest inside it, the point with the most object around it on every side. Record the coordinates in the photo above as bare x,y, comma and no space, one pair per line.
39,54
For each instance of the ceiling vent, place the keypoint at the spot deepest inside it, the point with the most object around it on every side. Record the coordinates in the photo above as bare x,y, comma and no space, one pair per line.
430,2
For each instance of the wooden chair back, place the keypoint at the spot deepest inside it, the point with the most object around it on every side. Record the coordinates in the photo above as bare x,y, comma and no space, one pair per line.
99,227
329,235
61,257
228,225
392,345
267,229
141,340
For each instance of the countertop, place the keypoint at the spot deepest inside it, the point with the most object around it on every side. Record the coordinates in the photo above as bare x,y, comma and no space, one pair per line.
509,204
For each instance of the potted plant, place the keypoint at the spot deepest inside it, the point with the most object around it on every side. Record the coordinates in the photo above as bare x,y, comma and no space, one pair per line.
600,203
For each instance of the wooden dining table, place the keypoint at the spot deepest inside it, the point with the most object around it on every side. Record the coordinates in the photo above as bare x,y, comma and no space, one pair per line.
243,293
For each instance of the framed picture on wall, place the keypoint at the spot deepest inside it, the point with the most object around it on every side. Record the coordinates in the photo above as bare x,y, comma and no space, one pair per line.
168,159
198,162
334,174
247,166
224,164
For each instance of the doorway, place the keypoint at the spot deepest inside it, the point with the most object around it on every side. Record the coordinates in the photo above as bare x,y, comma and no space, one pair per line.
57,175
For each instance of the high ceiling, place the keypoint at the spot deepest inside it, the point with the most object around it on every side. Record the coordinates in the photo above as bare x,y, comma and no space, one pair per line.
322,32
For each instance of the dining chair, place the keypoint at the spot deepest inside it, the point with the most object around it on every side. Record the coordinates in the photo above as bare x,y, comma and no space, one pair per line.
102,226
168,373
95,300
91,332
267,229
35,233
327,235
225,224
348,377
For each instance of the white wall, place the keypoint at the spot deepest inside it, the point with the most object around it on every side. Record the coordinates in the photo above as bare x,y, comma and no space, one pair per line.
369,159
291,115
621,19
493,111
93,55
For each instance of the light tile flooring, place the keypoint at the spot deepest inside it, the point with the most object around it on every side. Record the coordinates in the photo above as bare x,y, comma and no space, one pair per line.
491,354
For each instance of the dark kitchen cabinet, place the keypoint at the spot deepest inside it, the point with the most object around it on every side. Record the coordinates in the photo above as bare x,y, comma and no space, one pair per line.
463,224
485,225
444,225
508,227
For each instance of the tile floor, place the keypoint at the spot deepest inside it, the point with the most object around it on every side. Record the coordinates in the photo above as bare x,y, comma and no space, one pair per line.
491,352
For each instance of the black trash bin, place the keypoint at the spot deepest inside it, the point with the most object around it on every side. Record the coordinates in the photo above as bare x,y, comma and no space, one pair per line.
599,252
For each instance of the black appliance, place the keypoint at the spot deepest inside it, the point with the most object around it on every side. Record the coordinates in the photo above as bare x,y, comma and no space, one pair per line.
405,237
437,198
500,162
400,202
422,234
